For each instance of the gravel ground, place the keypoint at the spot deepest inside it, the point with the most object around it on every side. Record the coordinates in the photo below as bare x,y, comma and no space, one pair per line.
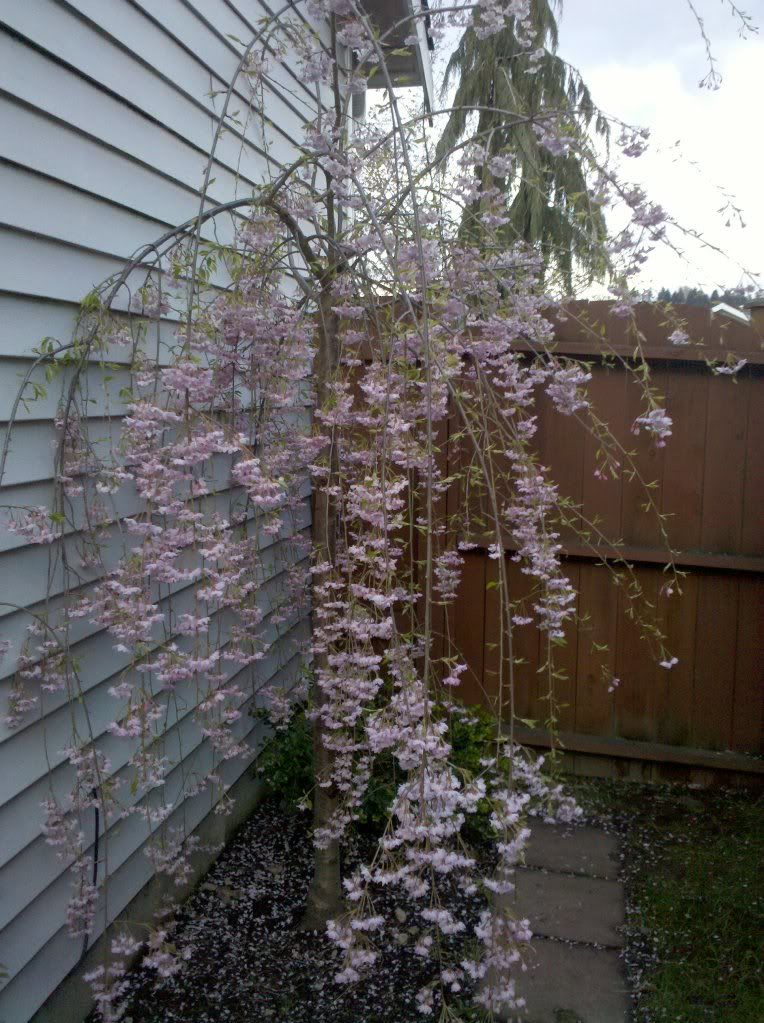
248,960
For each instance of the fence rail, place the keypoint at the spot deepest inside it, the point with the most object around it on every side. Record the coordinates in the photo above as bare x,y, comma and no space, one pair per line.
709,483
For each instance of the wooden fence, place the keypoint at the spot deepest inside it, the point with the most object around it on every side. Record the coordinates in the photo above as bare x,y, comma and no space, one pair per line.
709,481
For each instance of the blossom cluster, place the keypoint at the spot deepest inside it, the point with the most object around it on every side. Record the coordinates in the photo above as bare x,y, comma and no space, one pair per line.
395,407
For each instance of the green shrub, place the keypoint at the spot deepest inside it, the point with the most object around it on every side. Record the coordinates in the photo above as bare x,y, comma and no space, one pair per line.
472,735
286,765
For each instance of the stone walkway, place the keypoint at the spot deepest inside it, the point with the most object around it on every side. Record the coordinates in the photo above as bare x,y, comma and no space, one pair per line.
569,890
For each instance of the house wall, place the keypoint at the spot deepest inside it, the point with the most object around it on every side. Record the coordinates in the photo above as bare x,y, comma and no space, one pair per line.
106,118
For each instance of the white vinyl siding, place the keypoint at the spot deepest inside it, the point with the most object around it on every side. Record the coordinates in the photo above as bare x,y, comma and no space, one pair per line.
107,112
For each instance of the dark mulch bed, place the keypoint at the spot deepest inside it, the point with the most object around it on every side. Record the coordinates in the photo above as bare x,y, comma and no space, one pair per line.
249,961
691,864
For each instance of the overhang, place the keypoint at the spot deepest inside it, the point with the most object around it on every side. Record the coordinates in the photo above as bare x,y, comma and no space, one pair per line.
407,65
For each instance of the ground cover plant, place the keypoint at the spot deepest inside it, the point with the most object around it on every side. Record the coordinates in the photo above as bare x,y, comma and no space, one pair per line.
692,863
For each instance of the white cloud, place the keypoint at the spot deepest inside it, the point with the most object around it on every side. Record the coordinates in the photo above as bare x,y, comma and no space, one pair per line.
636,76
643,60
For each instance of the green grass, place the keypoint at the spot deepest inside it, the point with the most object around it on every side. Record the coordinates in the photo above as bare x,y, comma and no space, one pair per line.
695,878
704,906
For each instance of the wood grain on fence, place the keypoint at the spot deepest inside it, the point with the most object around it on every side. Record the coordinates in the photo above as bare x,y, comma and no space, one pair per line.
709,482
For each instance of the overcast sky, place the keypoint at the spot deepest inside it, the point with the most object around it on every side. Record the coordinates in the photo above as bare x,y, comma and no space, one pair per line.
643,60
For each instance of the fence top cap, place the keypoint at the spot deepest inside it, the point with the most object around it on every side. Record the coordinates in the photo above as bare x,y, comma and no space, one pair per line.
722,309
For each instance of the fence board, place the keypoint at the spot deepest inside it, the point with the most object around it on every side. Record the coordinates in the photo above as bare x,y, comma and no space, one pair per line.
635,697
716,640
525,648
676,689
602,496
495,659
639,524
724,475
749,666
561,448
469,629
753,489
598,623
710,488
564,661
683,465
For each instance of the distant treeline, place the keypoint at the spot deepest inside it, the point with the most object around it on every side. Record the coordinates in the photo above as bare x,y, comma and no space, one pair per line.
738,297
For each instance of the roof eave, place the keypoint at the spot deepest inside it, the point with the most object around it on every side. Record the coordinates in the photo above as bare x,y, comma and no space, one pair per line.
406,70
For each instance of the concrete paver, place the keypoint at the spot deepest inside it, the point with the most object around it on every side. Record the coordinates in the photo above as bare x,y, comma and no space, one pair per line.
573,984
573,850
570,893
571,907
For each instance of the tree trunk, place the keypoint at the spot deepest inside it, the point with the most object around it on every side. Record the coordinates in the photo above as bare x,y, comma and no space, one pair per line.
324,900
325,894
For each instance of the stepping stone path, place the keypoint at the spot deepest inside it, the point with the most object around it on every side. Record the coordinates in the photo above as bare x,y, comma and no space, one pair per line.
570,892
